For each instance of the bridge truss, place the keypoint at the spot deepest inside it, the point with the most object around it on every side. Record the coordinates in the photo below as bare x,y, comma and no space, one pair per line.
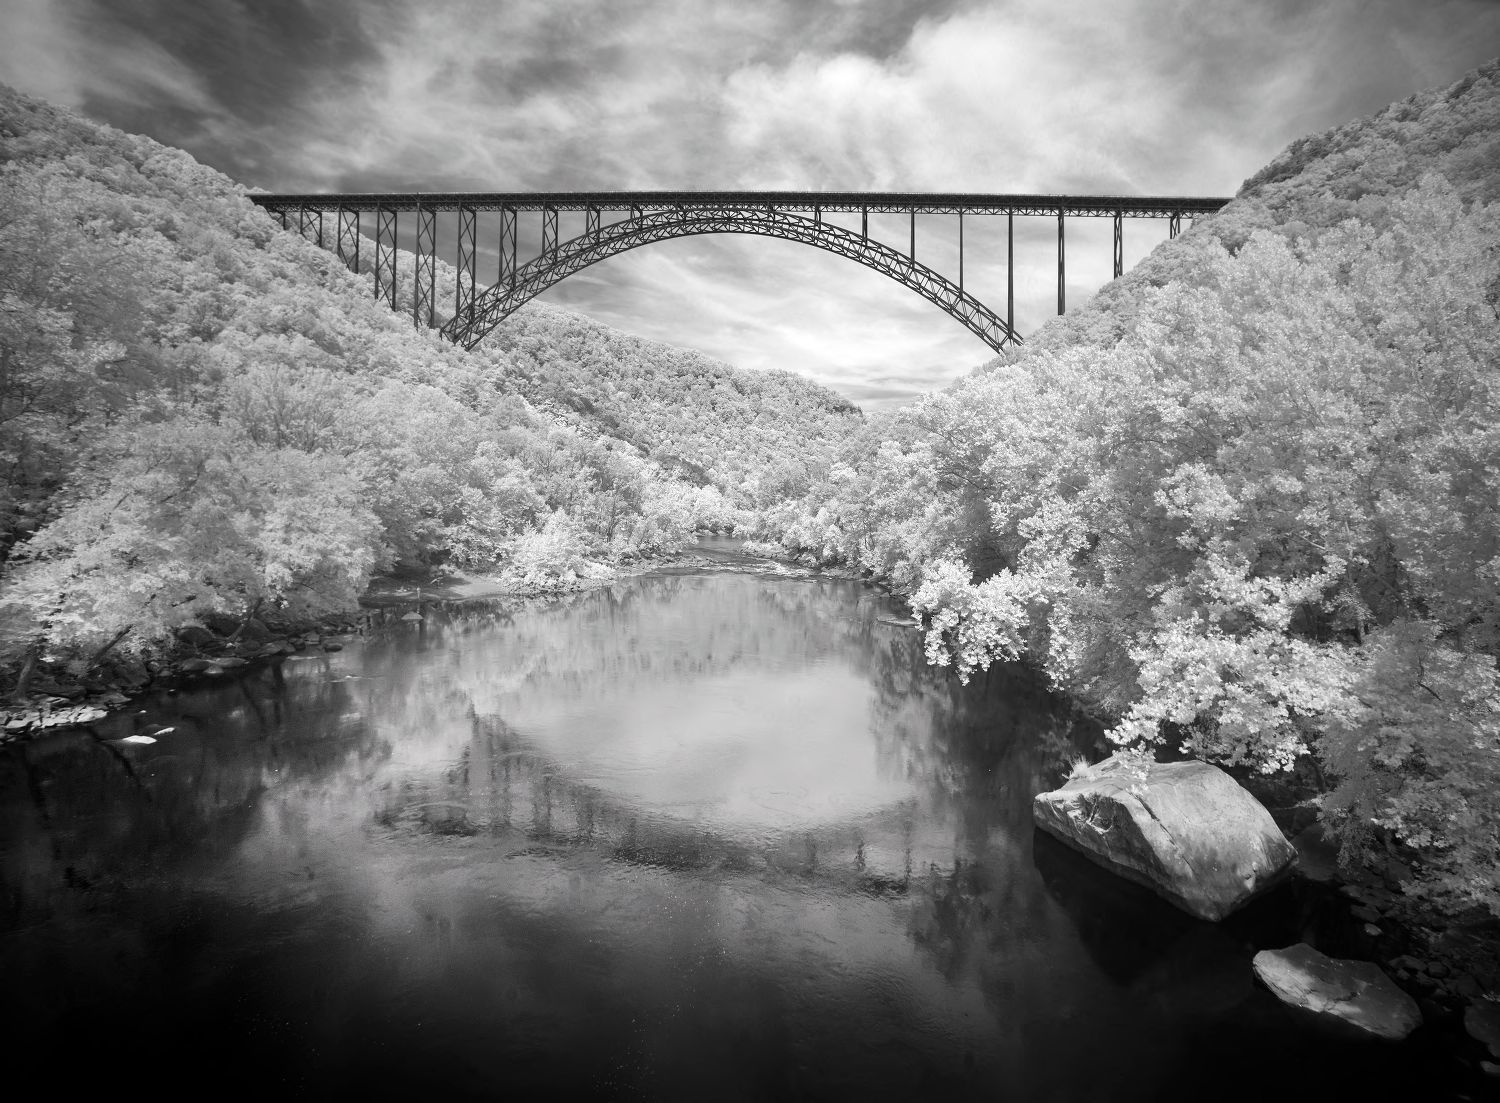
645,217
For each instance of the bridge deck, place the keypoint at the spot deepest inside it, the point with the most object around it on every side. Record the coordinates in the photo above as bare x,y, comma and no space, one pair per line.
1102,206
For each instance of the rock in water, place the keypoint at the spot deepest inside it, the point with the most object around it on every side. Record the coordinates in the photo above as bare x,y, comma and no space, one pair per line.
1354,992
1188,830
1482,1021
1317,857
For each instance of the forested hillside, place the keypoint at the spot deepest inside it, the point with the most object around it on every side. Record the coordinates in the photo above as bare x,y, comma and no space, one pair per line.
1246,504
202,413
757,436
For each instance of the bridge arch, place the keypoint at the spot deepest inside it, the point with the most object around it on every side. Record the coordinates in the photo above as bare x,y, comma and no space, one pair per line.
470,325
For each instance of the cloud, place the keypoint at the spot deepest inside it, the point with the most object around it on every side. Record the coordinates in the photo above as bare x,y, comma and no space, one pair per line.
55,50
37,52
1144,96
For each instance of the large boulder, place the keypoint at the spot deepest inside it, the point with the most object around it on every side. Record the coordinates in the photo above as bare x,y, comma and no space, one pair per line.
196,635
1353,993
1186,829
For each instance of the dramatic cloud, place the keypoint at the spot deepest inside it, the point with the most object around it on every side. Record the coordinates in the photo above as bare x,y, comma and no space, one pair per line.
1142,96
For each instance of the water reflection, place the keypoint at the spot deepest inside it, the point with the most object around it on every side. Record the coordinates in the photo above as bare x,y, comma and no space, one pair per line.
695,836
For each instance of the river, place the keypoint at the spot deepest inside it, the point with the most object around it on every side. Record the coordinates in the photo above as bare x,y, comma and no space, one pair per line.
714,833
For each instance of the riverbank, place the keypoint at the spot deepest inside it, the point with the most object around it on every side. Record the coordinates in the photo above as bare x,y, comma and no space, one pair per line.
55,695
1449,963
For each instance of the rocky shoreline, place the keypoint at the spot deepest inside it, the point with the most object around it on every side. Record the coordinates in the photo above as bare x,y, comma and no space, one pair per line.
54,696
1208,844
1444,961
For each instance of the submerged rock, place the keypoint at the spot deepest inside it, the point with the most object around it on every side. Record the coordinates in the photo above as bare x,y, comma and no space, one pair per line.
1317,856
1356,993
1187,830
1482,1021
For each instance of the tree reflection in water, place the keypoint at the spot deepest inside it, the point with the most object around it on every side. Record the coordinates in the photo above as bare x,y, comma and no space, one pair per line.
689,832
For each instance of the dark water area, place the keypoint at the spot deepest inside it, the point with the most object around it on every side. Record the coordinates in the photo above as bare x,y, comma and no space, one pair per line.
702,835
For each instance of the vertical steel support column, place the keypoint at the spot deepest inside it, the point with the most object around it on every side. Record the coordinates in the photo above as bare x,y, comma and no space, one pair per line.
305,223
1062,266
635,212
549,229
864,223
385,255
591,220
1010,270
818,215
507,245
911,250
285,222
1119,244
348,241
1174,224
424,294
467,232
960,252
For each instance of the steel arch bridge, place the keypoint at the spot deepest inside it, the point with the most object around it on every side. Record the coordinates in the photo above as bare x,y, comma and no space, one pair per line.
659,216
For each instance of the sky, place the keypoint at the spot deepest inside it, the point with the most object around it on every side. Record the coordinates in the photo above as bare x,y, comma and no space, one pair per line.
1158,97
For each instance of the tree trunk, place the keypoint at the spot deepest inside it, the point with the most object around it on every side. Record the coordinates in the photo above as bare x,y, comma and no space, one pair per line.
248,618
98,656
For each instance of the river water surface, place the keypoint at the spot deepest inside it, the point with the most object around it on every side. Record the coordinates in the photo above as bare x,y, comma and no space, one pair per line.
712,834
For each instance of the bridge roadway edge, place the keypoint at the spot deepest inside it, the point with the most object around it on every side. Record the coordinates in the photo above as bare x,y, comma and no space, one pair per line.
1097,206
